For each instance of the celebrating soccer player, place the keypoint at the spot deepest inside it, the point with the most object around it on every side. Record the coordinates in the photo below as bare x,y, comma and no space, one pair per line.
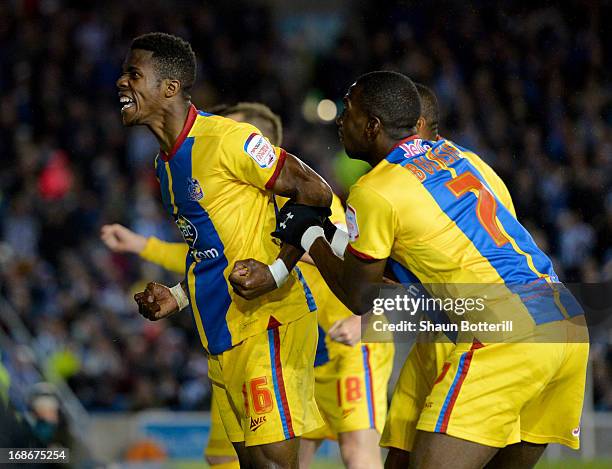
437,211
356,414
216,178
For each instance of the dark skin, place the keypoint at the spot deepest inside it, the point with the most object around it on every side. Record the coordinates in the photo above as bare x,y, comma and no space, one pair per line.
354,281
516,456
162,106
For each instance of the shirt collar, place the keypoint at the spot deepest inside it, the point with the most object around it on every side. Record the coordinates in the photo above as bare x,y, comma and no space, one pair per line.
191,117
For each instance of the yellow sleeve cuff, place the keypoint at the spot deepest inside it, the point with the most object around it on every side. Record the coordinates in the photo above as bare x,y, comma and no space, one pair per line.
170,256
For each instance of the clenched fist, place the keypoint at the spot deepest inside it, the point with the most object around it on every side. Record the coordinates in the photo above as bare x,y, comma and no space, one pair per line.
156,302
251,278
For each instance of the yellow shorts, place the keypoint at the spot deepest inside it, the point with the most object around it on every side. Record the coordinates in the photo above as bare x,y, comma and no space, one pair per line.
218,442
265,385
500,394
423,365
351,389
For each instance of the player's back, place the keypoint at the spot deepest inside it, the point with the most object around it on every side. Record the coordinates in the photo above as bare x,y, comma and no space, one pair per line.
215,184
449,225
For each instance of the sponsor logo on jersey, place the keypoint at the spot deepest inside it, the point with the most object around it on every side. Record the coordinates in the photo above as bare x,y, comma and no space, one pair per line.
351,223
190,235
198,256
188,230
257,422
347,412
576,432
415,147
258,148
194,191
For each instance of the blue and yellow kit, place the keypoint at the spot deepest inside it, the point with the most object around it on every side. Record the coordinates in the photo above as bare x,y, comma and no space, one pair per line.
350,382
440,212
215,183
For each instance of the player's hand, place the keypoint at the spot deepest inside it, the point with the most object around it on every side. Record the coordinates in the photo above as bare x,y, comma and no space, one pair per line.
251,278
156,302
295,219
118,238
347,331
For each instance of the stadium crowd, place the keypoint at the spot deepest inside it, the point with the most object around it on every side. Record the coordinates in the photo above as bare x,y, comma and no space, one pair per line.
524,87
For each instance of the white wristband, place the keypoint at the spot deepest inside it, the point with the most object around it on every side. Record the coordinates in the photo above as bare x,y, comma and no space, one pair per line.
310,236
180,296
279,271
339,242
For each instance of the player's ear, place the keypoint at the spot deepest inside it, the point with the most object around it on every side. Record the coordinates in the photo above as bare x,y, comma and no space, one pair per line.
173,87
373,128
420,125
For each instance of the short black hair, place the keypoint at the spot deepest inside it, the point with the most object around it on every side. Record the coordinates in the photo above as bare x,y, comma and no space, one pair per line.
429,107
393,98
174,57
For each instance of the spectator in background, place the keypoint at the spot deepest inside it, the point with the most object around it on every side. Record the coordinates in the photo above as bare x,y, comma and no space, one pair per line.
526,83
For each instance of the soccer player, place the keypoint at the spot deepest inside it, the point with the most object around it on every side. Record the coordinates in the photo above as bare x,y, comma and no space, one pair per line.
217,177
427,357
430,207
361,372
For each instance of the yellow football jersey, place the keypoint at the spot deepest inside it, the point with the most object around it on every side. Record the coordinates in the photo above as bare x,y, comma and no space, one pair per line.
440,212
215,183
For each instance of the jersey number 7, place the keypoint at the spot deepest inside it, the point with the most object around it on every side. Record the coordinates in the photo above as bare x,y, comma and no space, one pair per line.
486,207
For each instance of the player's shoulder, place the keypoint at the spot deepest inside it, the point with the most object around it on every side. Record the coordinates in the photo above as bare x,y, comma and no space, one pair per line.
385,180
474,158
465,152
212,125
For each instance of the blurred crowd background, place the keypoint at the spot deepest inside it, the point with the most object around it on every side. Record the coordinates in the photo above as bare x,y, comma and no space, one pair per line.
526,85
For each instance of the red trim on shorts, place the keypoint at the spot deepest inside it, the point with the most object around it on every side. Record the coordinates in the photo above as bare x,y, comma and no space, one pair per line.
464,371
445,368
277,170
273,323
372,402
281,383
191,117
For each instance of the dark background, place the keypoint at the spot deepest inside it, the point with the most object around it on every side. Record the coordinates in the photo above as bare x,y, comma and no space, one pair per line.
524,84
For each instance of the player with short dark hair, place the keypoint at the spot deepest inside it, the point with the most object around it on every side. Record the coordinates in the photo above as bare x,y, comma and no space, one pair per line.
216,178
350,377
430,207
174,58
427,123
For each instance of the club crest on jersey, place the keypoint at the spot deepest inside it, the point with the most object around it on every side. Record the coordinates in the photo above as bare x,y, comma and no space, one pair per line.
194,191
351,223
258,148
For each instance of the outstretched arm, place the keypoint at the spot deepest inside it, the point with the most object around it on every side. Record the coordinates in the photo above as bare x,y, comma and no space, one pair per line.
170,256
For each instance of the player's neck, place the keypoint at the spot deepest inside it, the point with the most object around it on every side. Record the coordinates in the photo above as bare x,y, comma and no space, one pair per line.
382,147
169,125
